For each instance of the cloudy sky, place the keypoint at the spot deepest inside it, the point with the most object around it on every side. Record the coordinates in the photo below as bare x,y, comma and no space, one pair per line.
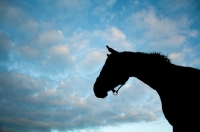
52,51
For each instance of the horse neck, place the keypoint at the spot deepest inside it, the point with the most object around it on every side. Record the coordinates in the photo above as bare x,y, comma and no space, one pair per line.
145,67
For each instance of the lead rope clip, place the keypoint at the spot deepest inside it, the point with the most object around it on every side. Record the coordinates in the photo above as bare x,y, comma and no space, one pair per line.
115,92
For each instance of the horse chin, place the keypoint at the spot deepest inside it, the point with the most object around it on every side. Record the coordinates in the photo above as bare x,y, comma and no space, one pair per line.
101,95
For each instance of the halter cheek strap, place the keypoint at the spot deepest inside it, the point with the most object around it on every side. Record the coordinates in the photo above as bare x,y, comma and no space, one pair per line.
115,92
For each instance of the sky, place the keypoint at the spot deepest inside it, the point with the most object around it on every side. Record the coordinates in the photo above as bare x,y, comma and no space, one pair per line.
52,51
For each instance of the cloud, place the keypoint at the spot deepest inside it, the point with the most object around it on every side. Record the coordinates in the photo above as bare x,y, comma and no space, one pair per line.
102,10
103,7
28,87
75,5
10,14
113,34
110,3
39,44
196,62
49,38
185,57
28,102
49,76
193,33
114,37
27,50
92,61
177,57
45,56
79,40
160,31
57,58
30,25
87,58
59,50
5,46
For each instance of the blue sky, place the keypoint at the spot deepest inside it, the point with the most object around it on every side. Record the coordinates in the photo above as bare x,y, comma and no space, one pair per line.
52,51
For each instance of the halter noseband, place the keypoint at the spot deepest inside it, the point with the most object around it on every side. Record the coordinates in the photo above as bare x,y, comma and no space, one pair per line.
115,92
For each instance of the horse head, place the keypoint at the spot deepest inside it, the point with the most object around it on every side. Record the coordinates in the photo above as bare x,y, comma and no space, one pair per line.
112,74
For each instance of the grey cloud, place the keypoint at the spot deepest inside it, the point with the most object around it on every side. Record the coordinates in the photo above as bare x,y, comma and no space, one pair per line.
45,91
5,46
11,14
31,103
12,82
66,105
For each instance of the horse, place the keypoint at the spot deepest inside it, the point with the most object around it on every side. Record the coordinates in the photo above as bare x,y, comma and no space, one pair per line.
177,86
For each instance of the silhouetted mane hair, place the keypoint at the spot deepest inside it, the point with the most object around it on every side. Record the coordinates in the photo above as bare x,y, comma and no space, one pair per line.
157,56
177,86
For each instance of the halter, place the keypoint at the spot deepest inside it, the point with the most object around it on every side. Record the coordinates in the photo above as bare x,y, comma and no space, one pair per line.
115,92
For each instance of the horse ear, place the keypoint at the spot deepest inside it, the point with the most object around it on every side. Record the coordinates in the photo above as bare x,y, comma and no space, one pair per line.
111,50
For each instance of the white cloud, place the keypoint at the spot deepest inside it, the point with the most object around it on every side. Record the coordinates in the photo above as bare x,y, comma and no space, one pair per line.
113,34
171,41
92,61
103,7
160,31
177,57
185,57
53,62
58,55
148,19
110,3
47,41
114,38
193,33
103,11
79,40
62,50
30,24
50,37
49,93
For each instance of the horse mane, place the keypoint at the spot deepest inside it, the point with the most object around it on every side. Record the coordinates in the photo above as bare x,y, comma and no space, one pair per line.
153,56
159,56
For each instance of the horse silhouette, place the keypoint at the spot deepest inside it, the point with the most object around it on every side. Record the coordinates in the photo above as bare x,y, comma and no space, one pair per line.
176,85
